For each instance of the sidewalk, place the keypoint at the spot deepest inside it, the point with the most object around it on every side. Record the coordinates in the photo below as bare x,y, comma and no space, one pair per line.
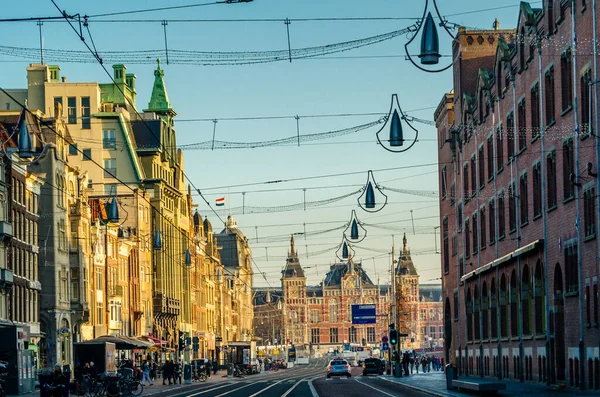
434,383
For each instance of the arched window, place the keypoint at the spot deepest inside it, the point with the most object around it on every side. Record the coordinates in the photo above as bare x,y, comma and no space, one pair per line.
469,312
526,301
350,303
476,305
333,311
493,308
539,299
514,304
484,310
503,308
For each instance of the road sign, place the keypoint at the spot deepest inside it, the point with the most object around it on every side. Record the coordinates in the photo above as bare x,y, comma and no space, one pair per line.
384,339
385,346
364,314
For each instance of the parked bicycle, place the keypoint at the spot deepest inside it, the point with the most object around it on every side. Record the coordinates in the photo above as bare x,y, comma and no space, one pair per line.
199,375
4,368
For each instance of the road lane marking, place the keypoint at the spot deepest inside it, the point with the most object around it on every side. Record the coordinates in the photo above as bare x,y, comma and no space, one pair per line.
292,388
266,388
374,388
208,390
312,388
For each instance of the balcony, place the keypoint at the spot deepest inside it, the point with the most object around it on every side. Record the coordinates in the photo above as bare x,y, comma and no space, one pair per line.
6,229
166,305
6,278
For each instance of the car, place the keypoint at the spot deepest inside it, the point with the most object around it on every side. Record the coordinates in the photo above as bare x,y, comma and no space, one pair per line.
372,366
338,368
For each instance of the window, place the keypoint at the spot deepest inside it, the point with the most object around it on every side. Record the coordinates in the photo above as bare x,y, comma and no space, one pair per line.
444,182
315,336
549,86
483,227
110,168
566,80
568,169
466,181
595,297
456,311
499,149
62,235
551,179
514,305
85,112
537,190
501,216
446,247
571,266
588,304
333,335
473,176
522,114
109,140
333,311
512,208
87,154
371,334
535,110
524,199
460,217
475,234
452,194
481,161
467,238
72,110
589,211
57,100
73,149
90,184
315,317
453,243
99,313
469,312
352,334
492,216
510,135
490,157
586,102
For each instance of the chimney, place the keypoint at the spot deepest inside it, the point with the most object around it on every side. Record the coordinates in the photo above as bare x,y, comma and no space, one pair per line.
64,79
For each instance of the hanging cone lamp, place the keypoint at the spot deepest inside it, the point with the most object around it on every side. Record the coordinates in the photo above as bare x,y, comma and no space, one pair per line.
344,250
398,139
24,144
188,258
157,241
430,41
113,211
372,198
356,231
345,253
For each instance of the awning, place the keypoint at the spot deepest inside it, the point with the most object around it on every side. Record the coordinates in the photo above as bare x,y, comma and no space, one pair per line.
157,341
121,342
497,262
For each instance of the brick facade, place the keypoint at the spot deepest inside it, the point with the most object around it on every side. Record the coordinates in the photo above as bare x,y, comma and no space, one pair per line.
518,207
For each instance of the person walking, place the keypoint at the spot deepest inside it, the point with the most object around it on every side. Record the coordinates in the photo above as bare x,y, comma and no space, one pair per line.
166,369
146,374
208,365
153,368
177,372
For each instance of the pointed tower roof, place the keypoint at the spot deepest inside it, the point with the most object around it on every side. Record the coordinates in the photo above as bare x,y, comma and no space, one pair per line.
292,263
159,101
405,265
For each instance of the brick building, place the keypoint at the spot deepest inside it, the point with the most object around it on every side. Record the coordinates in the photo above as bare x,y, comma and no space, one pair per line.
518,165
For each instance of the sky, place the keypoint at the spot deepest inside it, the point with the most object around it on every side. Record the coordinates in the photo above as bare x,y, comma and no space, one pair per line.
360,81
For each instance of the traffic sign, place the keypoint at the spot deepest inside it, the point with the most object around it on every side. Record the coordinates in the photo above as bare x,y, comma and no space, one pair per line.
364,314
384,339
385,346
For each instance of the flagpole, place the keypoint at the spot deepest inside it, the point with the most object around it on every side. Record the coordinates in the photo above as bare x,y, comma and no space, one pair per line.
228,202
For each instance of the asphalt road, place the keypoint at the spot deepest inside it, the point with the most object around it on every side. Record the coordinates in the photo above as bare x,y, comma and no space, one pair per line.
301,381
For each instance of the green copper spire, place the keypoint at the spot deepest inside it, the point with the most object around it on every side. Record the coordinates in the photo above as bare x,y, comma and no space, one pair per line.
159,102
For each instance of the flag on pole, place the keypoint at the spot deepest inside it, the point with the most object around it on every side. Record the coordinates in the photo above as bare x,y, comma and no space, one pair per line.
220,202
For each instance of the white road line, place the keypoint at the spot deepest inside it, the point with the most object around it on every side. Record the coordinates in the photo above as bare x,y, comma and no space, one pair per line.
312,388
256,394
239,388
292,388
208,390
374,388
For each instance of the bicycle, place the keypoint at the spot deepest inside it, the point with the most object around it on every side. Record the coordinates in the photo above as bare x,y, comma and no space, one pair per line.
200,376
130,387
238,372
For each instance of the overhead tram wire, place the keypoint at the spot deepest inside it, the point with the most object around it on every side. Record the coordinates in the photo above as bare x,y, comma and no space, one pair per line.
109,14
108,172
133,105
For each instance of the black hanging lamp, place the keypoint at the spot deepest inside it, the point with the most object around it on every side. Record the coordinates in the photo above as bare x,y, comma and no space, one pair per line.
188,258
113,211
357,232
398,139
24,145
430,40
157,241
370,199
344,250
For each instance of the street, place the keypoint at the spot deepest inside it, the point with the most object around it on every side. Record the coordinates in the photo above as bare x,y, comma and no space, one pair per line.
297,382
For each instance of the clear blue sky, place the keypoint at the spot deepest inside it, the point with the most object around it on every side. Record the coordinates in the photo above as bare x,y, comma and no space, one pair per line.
304,87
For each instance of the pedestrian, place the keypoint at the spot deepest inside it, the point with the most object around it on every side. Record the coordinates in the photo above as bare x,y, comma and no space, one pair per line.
146,374
153,368
405,362
166,369
412,364
208,365
177,372
215,367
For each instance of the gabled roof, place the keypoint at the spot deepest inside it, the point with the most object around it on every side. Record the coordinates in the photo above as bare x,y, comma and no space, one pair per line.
430,292
337,271
292,264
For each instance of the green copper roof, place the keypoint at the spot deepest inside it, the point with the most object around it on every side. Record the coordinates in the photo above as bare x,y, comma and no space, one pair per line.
159,102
